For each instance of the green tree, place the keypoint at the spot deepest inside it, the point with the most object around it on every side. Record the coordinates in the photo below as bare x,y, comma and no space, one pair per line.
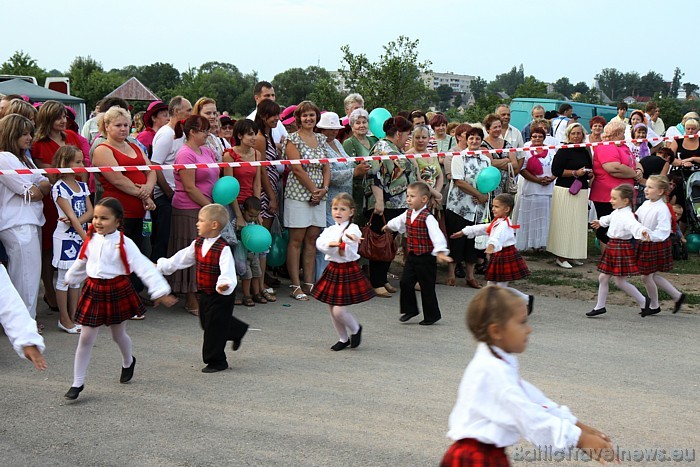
580,87
458,100
22,64
676,82
327,96
531,88
689,89
651,83
484,106
221,81
478,87
632,83
508,82
90,81
670,109
394,81
296,84
611,82
444,96
161,78
564,86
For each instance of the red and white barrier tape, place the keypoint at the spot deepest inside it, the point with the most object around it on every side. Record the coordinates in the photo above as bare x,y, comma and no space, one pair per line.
223,165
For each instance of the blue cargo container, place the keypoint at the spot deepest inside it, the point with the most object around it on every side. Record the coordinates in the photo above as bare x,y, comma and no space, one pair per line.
521,107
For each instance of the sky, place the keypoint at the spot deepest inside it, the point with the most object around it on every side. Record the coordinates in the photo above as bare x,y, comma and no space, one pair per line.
479,38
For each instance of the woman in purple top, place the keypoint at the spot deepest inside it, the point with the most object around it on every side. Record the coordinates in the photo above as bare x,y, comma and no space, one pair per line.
193,189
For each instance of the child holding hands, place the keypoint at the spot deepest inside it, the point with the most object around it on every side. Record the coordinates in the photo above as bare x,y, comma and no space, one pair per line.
72,198
619,259
505,264
342,282
216,280
425,245
495,407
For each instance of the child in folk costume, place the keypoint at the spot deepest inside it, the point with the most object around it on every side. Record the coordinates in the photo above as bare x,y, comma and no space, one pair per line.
495,407
216,280
342,282
656,256
619,258
106,259
72,198
505,264
425,245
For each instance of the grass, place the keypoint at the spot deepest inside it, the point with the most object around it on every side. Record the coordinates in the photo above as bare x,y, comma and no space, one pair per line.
573,279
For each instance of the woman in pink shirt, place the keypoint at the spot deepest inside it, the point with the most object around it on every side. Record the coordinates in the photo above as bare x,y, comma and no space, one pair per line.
193,189
613,165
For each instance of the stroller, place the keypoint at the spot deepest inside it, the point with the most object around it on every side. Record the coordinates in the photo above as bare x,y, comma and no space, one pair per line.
692,201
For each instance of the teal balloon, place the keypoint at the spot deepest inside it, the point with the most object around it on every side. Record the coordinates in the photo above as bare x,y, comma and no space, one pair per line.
377,117
256,238
488,179
693,243
597,243
277,255
225,190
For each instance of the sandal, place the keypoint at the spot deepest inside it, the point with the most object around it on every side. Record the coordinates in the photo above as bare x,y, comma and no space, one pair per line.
238,301
451,281
248,301
298,293
308,287
257,298
192,311
268,295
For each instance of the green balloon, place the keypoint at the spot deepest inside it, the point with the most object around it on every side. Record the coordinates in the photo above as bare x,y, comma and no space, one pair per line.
377,117
488,179
693,242
225,190
256,238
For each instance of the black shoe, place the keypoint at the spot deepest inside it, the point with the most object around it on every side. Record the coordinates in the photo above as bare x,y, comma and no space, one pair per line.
128,373
650,311
236,344
679,303
645,310
213,369
406,316
459,271
428,322
52,308
530,304
73,392
355,339
593,313
340,345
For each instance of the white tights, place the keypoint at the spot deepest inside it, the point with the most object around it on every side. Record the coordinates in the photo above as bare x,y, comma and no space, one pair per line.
88,336
342,321
505,286
622,284
653,282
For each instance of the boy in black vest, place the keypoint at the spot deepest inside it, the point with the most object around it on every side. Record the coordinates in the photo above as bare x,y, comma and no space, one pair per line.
425,243
216,279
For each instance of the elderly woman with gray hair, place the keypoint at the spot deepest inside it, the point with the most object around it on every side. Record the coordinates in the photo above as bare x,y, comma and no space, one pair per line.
359,145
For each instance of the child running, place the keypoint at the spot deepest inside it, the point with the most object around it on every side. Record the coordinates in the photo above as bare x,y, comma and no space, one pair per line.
425,245
342,282
656,256
619,258
108,298
495,407
74,212
505,264
216,280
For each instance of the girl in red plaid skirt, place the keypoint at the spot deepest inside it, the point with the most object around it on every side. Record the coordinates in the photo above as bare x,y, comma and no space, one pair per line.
106,259
505,264
656,256
495,407
342,282
619,258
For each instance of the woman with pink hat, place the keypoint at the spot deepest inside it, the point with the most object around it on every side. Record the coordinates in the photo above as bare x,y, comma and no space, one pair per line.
153,120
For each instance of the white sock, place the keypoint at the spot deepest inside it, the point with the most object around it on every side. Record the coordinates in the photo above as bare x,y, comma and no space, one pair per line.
123,340
630,290
339,327
342,314
515,291
666,286
603,289
88,335
652,290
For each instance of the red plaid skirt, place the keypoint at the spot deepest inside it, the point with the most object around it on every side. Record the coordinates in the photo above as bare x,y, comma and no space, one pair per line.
470,452
654,257
342,284
108,301
619,259
506,265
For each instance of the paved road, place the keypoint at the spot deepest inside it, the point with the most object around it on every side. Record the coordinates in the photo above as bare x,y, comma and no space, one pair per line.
289,400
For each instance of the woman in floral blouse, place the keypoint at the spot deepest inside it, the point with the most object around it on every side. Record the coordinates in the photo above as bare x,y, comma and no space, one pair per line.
305,197
465,204
388,192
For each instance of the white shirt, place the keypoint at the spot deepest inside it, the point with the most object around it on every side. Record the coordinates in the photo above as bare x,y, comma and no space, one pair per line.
165,148
103,261
332,234
186,258
278,132
501,236
532,188
515,139
19,326
495,406
622,225
16,208
559,125
398,224
655,216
